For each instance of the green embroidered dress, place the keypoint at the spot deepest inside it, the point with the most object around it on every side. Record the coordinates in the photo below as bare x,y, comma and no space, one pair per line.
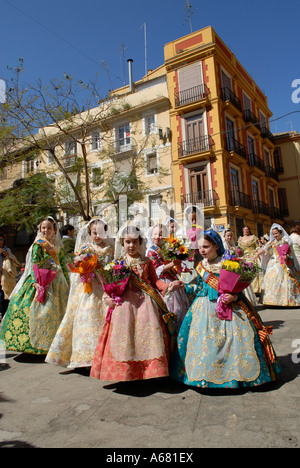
30,326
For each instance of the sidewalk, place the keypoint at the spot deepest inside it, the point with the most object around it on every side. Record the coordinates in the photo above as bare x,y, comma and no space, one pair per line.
43,406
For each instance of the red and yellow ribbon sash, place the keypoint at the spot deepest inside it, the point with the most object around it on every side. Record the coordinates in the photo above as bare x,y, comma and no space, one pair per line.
286,270
262,330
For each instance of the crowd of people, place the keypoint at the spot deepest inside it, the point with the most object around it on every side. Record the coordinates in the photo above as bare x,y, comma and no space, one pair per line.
167,321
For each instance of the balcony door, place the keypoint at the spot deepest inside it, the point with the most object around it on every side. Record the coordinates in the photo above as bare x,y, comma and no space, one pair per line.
195,133
198,185
230,134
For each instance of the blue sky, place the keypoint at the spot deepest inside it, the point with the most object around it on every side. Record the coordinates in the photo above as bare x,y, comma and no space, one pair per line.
80,38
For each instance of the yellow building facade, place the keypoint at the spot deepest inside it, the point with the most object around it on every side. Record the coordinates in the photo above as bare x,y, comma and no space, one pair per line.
222,149
287,157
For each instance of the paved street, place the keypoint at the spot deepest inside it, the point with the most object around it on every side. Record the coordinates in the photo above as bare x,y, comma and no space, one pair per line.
43,406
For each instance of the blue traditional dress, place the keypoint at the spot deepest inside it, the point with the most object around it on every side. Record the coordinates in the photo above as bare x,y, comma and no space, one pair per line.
215,353
30,326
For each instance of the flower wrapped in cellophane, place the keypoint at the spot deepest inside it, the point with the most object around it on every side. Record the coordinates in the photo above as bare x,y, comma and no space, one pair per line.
85,264
236,274
44,271
173,248
115,277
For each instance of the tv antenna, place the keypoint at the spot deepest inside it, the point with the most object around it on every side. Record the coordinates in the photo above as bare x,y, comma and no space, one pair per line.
104,65
145,37
189,12
123,48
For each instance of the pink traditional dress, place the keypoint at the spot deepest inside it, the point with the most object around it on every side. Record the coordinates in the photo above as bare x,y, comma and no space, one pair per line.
134,345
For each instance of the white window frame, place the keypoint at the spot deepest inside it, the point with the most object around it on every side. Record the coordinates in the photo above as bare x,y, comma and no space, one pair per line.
95,136
125,146
147,153
153,126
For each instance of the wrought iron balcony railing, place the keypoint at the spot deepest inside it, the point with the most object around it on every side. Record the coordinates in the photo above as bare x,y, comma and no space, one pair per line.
271,172
195,145
190,95
207,197
228,95
254,160
260,207
265,133
234,145
250,117
240,199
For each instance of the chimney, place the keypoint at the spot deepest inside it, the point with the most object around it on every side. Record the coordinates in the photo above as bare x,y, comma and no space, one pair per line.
130,74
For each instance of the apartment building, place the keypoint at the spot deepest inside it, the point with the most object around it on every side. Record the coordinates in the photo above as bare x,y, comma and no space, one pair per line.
287,160
130,128
222,148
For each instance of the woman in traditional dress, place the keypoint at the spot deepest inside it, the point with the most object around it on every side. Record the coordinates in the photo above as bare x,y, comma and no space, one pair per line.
166,271
29,326
229,246
8,274
295,236
134,345
281,286
217,353
250,244
76,339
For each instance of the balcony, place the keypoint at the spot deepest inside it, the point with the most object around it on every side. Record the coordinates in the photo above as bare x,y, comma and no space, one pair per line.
255,161
234,145
228,95
274,213
206,197
241,199
260,207
195,145
188,96
265,133
251,118
271,172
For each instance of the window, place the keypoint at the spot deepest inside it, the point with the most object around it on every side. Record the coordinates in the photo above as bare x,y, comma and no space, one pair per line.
155,207
70,147
124,136
255,190
70,157
50,158
190,76
150,124
96,141
97,177
151,163
29,165
246,102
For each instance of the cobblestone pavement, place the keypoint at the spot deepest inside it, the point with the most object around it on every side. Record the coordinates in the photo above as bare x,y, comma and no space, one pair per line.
43,406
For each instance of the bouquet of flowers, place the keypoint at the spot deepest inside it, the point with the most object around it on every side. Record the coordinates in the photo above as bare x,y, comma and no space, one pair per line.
85,263
115,277
284,254
44,272
173,248
236,274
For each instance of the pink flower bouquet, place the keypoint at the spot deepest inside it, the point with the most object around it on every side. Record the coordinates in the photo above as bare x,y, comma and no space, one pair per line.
236,274
114,280
284,257
44,274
